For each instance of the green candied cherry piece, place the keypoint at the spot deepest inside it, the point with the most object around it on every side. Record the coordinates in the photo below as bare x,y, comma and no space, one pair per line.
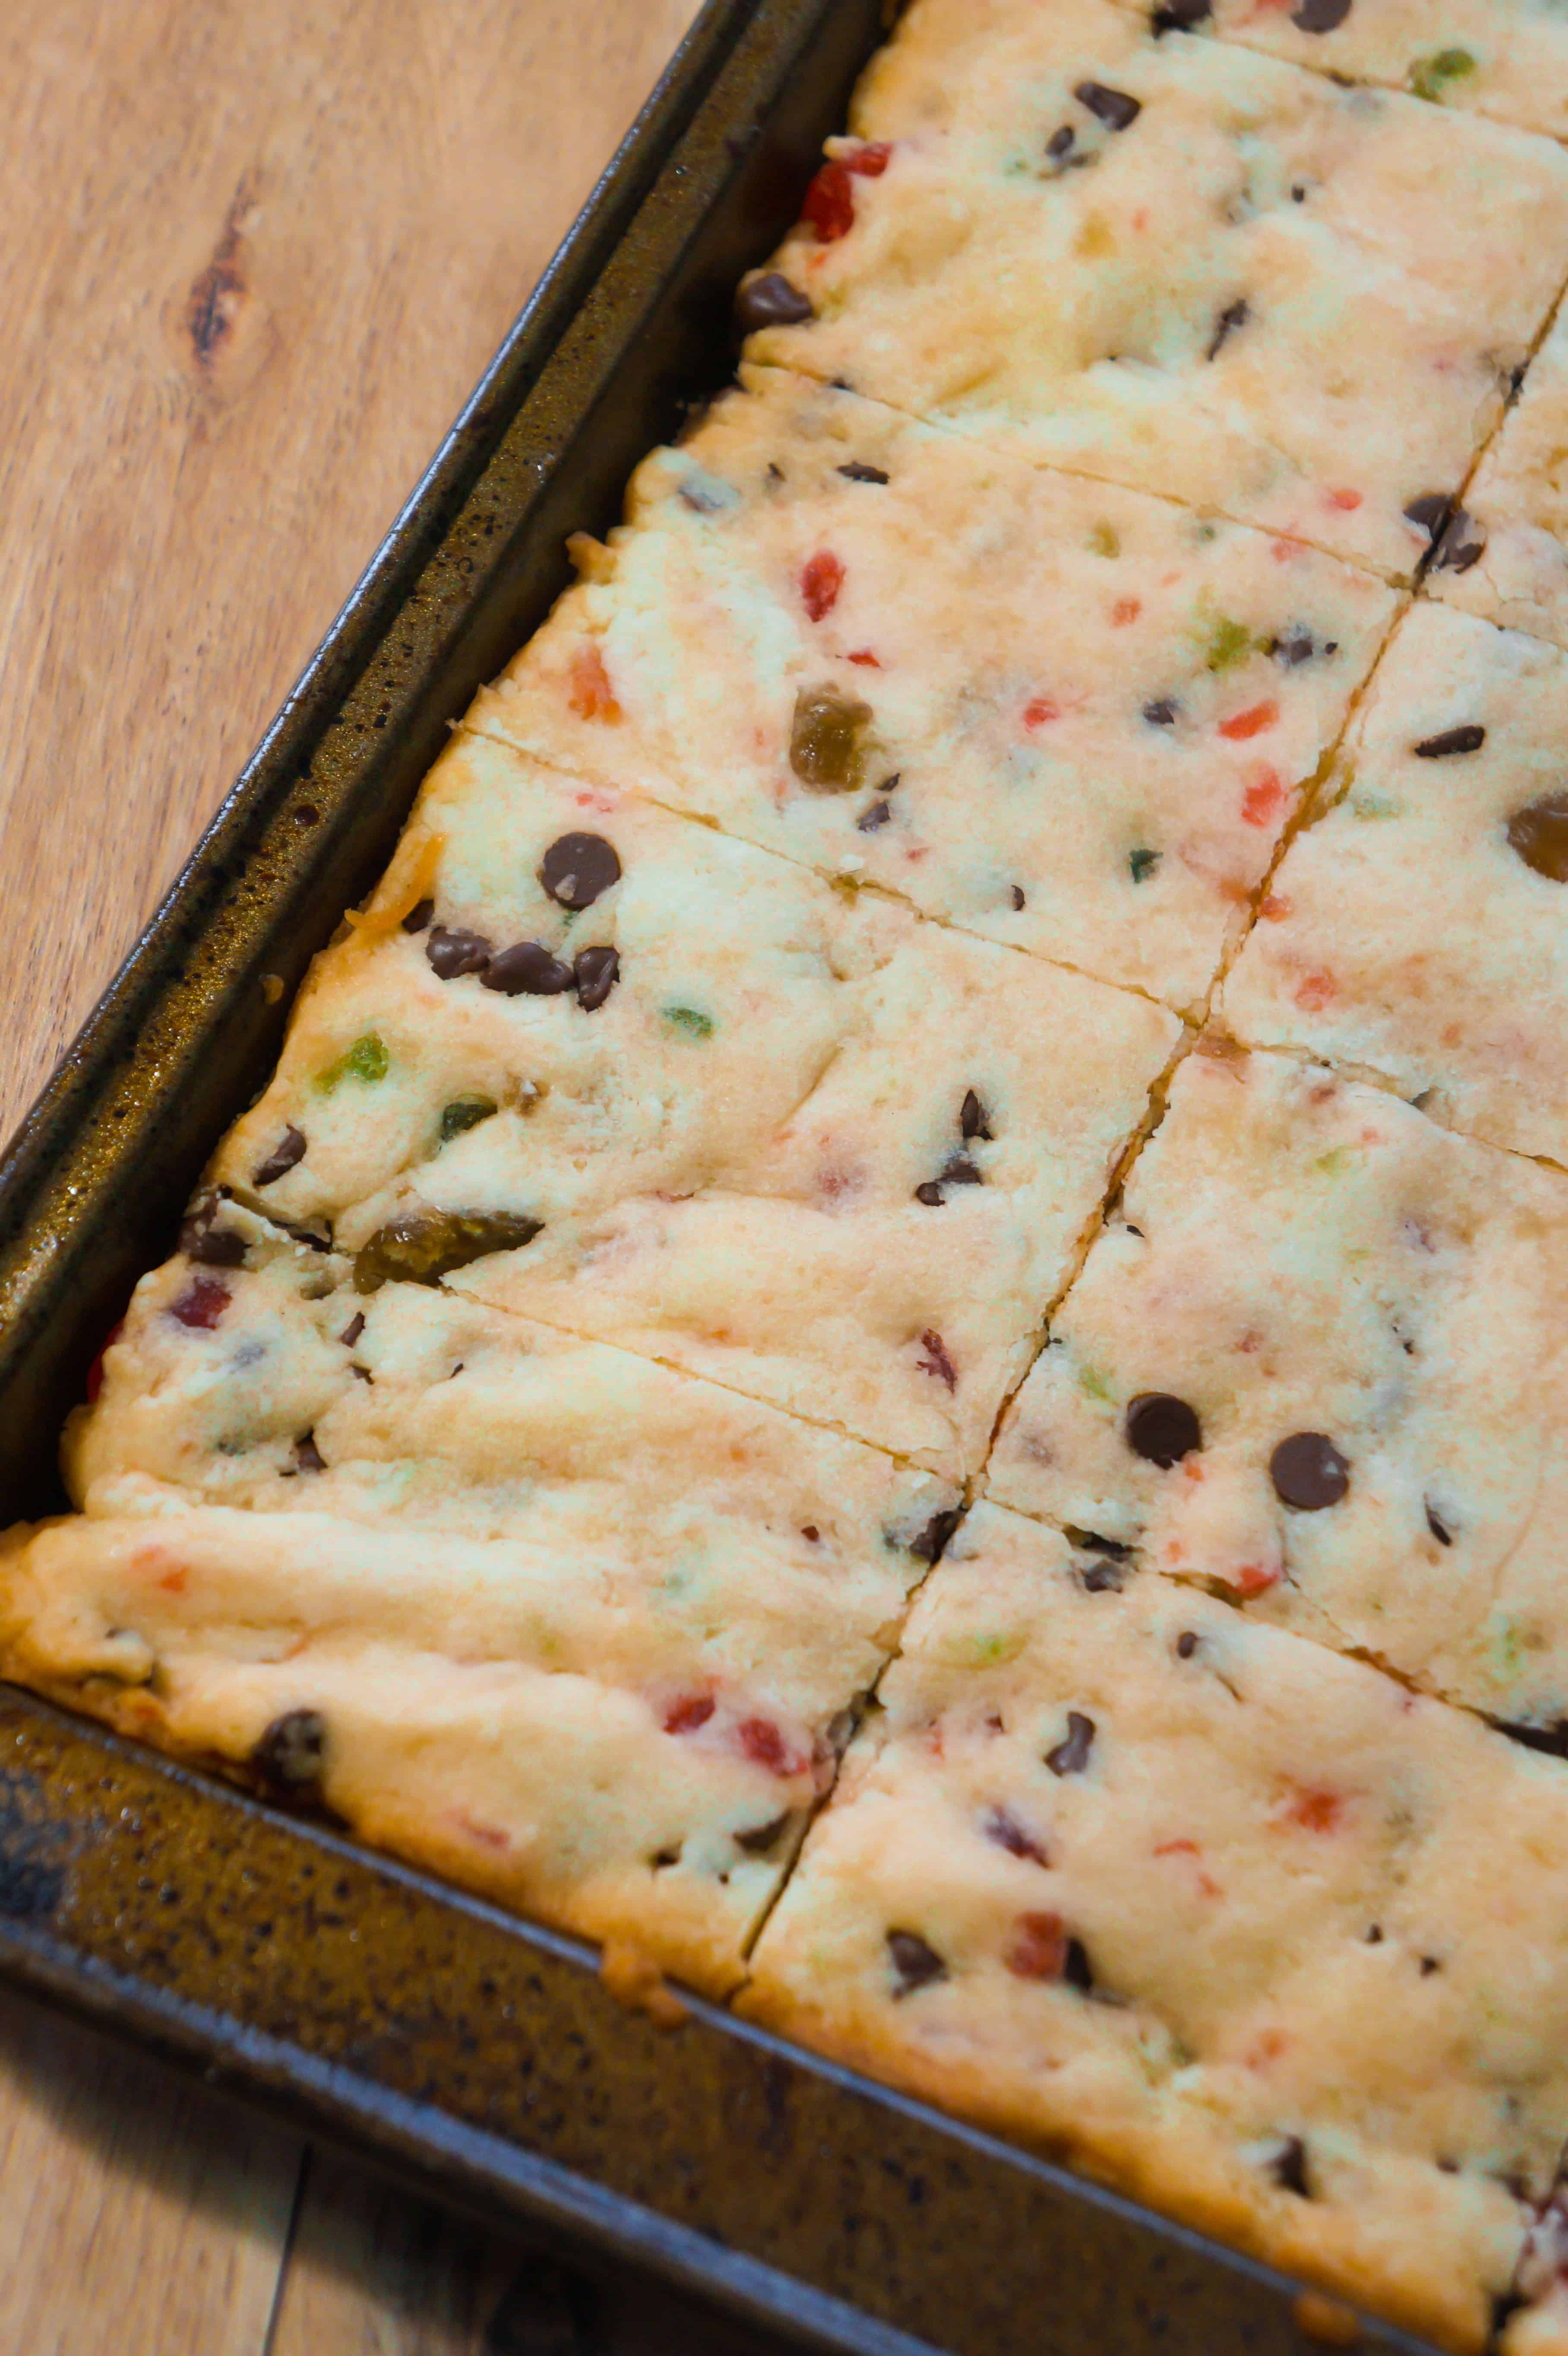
1226,644
1430,76
688,1019
366,1060
421,1247
1104,540
826,745
465,1113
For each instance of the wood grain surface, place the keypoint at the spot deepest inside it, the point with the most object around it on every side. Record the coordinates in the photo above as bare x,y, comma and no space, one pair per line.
251,259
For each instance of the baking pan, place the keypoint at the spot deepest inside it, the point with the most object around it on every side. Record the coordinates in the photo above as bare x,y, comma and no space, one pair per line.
453,2043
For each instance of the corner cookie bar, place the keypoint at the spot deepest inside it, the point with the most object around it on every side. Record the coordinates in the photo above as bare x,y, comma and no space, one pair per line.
1174,263
1318,1362
1058,715
1241,1927
1418,930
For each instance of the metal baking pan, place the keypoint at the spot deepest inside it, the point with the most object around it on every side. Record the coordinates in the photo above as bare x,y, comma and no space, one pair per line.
460,2047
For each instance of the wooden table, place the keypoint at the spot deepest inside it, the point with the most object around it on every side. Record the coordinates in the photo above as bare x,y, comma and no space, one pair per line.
252,258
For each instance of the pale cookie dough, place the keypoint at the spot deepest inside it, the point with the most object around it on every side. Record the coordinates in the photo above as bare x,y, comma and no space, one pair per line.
1420,930
1175,263
1507,59
1054,712
1321,1360
1244,1929
578,1631
1505,554
808,1145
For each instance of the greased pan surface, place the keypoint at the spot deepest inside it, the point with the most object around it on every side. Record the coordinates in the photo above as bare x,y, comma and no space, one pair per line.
459,2047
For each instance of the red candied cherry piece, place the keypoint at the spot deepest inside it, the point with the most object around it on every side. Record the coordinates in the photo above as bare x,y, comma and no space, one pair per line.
201,1304
820,583
685,1716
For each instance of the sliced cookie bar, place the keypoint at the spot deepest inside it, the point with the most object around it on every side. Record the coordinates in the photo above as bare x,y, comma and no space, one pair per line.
1172,262
1318,1362
1421,928
804,1143
1060,714
580,1632
1240,1926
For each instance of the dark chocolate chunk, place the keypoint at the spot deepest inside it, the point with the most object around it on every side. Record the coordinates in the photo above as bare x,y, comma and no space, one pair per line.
1186,1645
1101,1578
419,916
1430,512
1113,108
929,1543
1308,1472
762,1838
1466,739
1003,1828
959,1171
972,1121
1075,1969
857,471
1162,1428
1540,835
1286,2163
308,1457
1071,1756
578,869
1180,15
1161,712
421,1247
769,299
1095,1544
596,972
352,1330
453,951
1438,1527
1463,545
1141,863
1059,147
1234,314
209,1245
916,1964
826,749
292,1754
288,1153
1319,15
874,815
528,969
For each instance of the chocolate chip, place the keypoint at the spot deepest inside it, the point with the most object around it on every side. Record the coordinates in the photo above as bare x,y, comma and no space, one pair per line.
1162,1430
288,1153
769,299
595,972
528,969
292,1754
421,1247
1141,863
419,916
1101,1578
465,1113
1162,712
1060,143
1319,15
1375,1936
1186,1645
1286,2163
1180,15
1071,1756
1075,1968
1003,1828
1438,1527
210,1245
352,1330
1295,648
308,1457
1466,739
826,747
1429,1964
1113,108
876,814
578,869
929,1543
453,951
959,1171
1093,1543
930,1192
1016,894
916,1964
762,1838
1235,315
972,1121
1463,545
857,471
1540,835
1308,1472
1430,512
